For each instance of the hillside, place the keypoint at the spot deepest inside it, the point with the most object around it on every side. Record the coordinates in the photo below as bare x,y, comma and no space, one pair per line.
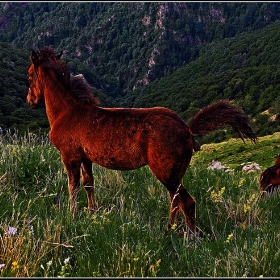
121,46
179,55
245,68
234,153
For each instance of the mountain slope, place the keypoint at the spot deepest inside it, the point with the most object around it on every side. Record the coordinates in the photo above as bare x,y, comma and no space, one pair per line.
179,55
129,44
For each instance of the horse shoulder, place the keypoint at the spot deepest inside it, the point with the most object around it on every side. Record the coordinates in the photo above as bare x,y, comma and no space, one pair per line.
61,133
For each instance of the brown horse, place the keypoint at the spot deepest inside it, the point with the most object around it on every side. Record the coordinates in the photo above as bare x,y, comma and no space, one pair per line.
122,138
270,178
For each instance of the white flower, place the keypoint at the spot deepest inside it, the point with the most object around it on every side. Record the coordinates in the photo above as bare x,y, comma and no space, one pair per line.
218,165
250,167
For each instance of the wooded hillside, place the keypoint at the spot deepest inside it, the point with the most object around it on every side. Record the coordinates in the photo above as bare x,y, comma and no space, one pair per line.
181,55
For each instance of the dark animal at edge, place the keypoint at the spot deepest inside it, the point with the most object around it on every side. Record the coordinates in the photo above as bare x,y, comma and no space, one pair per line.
269,179
122,138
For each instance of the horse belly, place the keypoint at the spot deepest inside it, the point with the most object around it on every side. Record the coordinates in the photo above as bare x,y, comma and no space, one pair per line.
119,158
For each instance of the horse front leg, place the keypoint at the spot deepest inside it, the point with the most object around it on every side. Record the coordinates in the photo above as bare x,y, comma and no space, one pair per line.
88,183
73,171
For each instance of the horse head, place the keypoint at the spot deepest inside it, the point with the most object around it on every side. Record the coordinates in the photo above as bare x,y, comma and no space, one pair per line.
35,92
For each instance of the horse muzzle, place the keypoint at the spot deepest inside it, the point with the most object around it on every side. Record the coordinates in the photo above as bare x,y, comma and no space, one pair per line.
32,104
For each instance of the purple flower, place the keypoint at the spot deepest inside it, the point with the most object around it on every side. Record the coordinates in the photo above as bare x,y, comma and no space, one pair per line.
2,265
11,231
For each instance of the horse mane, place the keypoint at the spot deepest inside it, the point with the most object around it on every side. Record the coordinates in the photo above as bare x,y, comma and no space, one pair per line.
77,85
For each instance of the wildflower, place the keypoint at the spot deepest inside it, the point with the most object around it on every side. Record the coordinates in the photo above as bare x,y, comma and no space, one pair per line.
252,197
15,265
218,165
241,182
243,225
153,268
32,230
229,238
174,226
158,262
2,265
217,196
66,260
11,231
250,167
49,263
247,206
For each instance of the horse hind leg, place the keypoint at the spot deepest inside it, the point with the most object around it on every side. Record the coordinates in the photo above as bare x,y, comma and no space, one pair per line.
170,175
182,201
88,182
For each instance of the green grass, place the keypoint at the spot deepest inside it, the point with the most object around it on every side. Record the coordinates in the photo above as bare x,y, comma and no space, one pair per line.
127,237
234,152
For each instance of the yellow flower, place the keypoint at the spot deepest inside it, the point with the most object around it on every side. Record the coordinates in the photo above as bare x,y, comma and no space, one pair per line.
15,265
158,262
252,198
247,208
174,226
217,196
154,268
229,237
241,182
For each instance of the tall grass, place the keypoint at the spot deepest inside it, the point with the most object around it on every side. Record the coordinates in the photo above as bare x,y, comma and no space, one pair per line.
127,237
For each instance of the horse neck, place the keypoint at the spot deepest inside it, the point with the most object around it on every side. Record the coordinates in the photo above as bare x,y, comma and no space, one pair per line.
58,99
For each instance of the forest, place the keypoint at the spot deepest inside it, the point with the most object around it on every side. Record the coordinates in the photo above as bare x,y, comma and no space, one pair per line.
180,55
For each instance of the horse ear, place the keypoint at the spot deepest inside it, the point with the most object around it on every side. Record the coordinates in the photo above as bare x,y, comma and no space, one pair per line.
58,56
35,58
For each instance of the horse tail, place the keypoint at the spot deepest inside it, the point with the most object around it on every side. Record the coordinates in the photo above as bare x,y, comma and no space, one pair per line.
219,115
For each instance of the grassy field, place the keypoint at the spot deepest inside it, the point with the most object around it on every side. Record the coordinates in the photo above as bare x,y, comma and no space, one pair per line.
127,237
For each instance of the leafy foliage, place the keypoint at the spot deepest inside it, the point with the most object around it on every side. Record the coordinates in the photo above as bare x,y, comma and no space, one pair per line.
181,55
218,74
